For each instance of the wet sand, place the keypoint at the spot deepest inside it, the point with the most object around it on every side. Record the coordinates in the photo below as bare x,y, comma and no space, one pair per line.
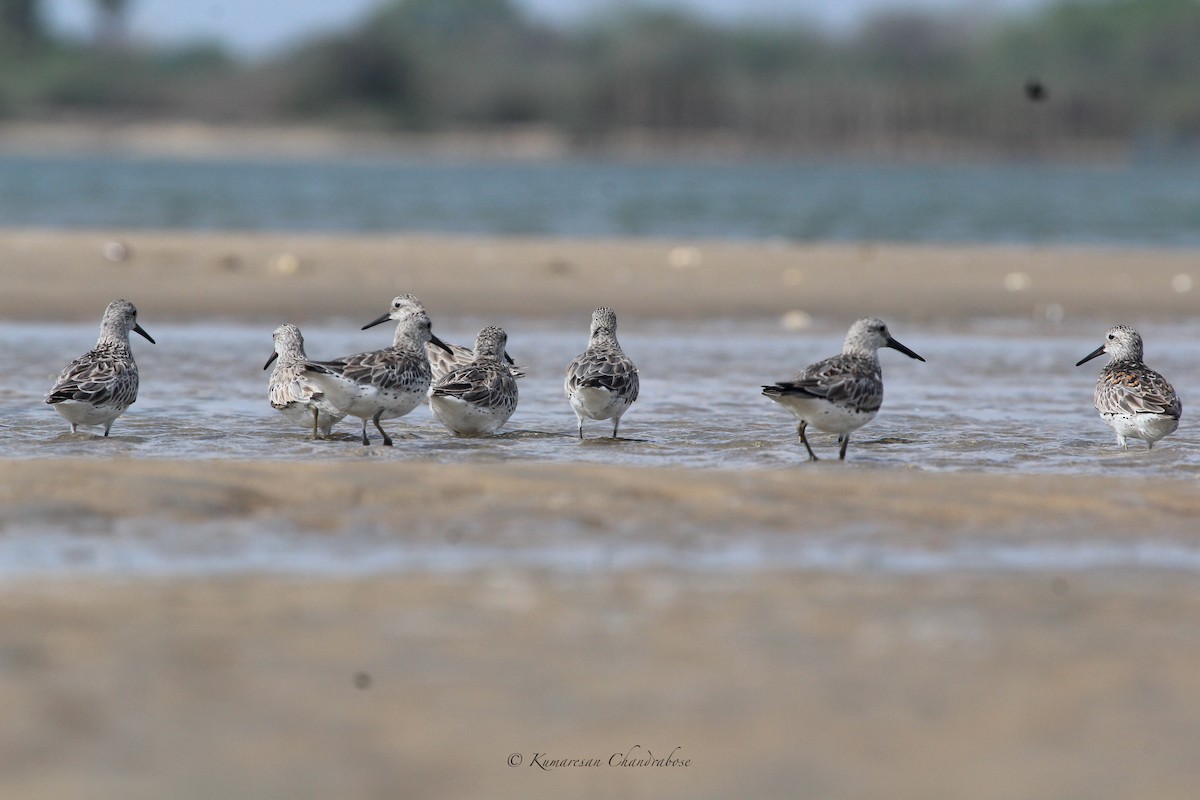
771,682
666,504
772,685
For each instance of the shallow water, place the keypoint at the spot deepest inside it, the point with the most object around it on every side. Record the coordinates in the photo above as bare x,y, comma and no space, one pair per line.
995,397
141,548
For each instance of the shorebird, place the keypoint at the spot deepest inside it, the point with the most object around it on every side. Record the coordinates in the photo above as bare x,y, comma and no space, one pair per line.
382,384
442,361
290,389
1134,400
97,387
601,382
479,397
842,393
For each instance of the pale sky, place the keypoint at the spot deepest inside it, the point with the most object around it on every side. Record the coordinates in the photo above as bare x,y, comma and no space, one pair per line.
259,28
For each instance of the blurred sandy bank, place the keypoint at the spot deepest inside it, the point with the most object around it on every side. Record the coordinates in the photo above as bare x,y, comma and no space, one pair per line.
70,275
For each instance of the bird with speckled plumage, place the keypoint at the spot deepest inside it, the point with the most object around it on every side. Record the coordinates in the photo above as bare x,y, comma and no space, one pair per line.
1132,399
601,382
97,387
842,393
382,384
291,391
477,398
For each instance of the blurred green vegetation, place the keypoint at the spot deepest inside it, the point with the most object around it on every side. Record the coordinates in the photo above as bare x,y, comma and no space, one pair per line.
1114,71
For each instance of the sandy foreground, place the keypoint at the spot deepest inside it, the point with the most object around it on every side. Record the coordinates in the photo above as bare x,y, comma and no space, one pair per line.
767,683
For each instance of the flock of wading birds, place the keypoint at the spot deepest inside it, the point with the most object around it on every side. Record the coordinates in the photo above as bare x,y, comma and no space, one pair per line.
474,392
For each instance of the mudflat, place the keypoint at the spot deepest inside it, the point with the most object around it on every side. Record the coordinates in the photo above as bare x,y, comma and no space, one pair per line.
524,678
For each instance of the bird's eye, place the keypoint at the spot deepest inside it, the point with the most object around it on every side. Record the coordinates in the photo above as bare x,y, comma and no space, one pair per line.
1111,337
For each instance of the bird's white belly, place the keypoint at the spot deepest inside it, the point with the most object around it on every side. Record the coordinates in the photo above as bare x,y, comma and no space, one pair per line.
362,400
301,414
595,402
1148,427
298,413
824,415
466,419
393,402
80,413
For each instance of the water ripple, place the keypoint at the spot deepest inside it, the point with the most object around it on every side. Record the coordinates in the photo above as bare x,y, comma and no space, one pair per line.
983,402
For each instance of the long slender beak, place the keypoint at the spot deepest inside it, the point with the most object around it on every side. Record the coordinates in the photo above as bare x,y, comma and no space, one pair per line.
1098,351
271,360
382,319
508,358
438,342
138,329
892,343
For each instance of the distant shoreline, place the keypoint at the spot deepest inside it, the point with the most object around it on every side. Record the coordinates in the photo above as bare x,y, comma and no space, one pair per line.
185,139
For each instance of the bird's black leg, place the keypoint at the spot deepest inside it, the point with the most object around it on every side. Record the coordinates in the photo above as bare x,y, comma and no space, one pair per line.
387,440
804,441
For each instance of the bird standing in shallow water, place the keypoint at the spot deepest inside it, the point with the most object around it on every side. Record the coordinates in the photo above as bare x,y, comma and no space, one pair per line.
842,393
601,382
1134,400
479,397
97,387
382,384
290,390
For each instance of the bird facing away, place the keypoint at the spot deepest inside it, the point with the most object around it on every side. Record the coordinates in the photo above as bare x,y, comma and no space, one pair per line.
1134,400
97,387
290,389
601,382
479,397
382,384
842,393
441,361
